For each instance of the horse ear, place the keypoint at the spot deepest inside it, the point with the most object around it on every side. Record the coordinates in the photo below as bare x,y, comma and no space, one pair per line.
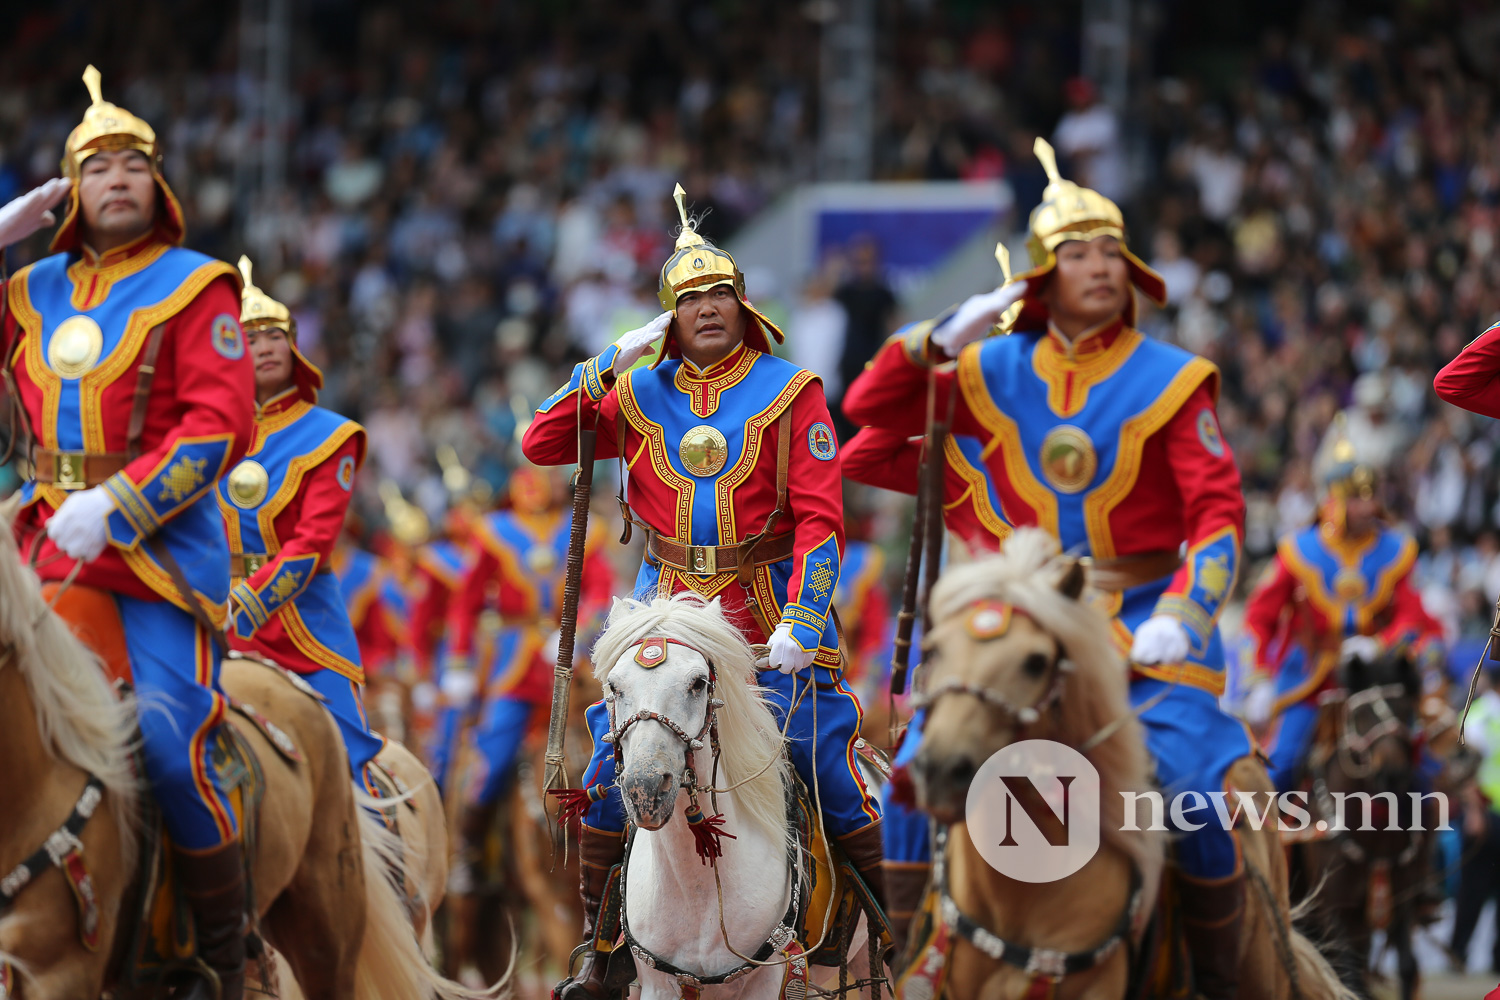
1355,670
1071,583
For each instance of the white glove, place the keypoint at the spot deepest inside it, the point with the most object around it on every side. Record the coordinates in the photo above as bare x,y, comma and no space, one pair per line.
1160,639
458,686
784,652
1259,702
1361,647
80,527
25,215
424,697
973,319
634,345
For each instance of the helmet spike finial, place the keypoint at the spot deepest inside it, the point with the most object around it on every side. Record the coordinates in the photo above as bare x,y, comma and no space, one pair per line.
245,271
1043,150
1002,257
689,236
93,81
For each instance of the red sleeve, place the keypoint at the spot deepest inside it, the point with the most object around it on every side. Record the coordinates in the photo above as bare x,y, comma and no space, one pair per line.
878,457
1264,612
891,393
468,602
815,497
427,615
1213,513
1410,623
874,623
325,502
1472,380
552,436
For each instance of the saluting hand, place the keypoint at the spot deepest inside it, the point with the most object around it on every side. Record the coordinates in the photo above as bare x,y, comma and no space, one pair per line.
25,215
635,344
973,320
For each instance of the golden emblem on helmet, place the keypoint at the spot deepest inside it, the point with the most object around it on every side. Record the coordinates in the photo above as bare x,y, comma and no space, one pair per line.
75,347
704,450
1068,459
248,484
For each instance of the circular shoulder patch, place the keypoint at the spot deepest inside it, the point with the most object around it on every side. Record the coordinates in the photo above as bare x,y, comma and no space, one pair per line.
228,339
346,472
1208,433
820,442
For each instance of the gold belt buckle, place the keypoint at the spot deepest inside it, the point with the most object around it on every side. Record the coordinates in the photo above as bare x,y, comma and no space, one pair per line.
67,470
703,559
253,562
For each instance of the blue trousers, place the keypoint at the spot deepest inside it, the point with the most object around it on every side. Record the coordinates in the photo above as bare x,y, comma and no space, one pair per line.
847,803
176,669
497,738
345,700
1193,743
1294,731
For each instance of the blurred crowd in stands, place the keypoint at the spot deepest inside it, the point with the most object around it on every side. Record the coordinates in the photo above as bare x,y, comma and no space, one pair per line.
479,195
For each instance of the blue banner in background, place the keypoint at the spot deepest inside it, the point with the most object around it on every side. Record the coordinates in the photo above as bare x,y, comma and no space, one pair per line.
913,241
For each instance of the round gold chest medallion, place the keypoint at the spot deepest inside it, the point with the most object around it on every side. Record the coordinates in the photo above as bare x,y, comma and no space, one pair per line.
704,450
1068,459
248,484
75,347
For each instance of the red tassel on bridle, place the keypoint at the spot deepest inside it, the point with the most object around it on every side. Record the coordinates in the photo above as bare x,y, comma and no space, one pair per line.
706,832
903,793
574,803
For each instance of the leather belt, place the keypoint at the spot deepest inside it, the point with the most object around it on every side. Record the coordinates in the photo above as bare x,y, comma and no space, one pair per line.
707,560
243,564
76,470
1116,575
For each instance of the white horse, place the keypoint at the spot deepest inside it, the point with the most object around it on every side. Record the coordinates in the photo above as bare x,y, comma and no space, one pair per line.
677,674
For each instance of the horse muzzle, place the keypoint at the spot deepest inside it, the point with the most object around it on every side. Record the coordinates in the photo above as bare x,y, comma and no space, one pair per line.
941,781
649,789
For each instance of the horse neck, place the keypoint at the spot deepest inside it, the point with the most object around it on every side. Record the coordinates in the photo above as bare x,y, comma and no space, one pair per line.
672,898
21,745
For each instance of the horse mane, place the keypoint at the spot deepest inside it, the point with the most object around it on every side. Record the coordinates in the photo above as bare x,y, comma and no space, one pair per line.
1025,575
81,720
749,739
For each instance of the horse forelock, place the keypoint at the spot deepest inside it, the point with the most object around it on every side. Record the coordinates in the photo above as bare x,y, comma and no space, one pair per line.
81,720
749,739
1025,575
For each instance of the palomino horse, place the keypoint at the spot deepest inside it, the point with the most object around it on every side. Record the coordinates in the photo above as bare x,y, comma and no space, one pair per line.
673,668
320,890
1373,865
1020,657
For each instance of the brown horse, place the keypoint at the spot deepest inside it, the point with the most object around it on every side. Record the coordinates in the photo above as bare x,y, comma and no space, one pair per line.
321,892
1044,647
1373,866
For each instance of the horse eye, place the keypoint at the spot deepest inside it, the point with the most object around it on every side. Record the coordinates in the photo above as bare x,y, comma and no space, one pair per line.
1035,665
699,684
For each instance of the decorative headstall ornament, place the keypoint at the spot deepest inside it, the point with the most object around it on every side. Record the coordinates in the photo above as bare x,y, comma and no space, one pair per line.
985,621
651,652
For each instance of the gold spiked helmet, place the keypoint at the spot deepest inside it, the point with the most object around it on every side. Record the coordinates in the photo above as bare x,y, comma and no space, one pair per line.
258,311
106,127
697,265
1071,212
1345,476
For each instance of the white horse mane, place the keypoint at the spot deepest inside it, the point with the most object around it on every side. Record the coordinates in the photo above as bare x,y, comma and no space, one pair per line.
81,720
1025,574
749,738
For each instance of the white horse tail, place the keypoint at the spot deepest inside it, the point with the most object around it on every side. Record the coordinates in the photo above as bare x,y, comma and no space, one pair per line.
392,965
1315,977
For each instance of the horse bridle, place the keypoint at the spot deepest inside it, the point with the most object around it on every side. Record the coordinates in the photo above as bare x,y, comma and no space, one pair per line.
1387,723
618,729
1023,715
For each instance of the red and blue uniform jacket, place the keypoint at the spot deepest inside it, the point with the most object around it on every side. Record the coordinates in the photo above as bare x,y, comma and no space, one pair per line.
518,571
438,572
363,582
291,608
1322,588
742,398
1110,444
971,507
1472,380
198,416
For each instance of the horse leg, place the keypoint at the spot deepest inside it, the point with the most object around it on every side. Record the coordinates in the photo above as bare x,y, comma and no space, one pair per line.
1406,958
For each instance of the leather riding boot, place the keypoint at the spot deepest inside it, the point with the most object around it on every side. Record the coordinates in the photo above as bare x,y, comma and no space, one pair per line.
462,903
865,850
905,884
1213,913
213,882
598,852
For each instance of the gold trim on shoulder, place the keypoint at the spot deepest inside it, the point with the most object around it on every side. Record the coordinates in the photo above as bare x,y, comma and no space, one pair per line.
1068,459
704,450
248,484
75,347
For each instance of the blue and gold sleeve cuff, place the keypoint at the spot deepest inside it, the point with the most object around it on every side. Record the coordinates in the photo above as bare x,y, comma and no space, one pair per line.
807,626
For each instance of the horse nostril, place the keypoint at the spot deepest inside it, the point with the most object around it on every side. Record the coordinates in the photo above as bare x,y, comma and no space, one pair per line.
664,783
962,770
